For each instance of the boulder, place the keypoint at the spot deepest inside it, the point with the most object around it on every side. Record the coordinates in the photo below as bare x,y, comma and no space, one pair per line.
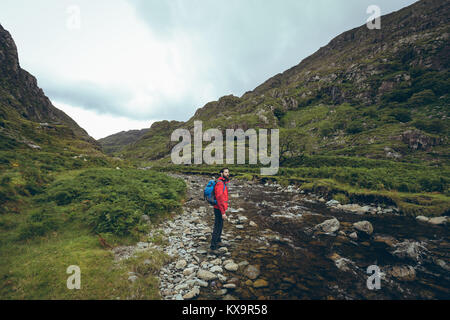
422,219
332,203
329,226
438,220
231,266
192,294
405,273
216,269
364,226
252,272
206,275
181,264
409,249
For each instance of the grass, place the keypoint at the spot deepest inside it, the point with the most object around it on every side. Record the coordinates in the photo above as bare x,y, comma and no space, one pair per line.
58,227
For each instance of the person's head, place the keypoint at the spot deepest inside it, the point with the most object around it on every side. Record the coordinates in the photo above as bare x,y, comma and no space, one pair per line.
225,173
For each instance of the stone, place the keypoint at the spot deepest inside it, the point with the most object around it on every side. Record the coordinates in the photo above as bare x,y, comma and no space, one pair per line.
260,283
252,272
252,224
206,275
364,226
192,294
409,249
329,226
438,220
216,269
405,273
222,277
221,292
181,264
202,283
422,219
332,203
242,219
216,262
229,297
231,266
230,286
132,278
243,263
223,250
353,235
188,271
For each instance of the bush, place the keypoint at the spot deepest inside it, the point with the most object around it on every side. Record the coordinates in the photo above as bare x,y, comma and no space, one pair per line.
342,198
113,201
326,129
38,224
422,98
401,115
354,128
279,113
430,126
113,218
397,95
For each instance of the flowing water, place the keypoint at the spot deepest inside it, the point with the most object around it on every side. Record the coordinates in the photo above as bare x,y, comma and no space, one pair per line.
296,261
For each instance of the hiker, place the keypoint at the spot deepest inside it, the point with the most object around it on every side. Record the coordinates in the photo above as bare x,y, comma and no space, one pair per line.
221,196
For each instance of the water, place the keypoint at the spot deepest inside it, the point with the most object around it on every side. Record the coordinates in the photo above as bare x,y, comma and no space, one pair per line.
299,263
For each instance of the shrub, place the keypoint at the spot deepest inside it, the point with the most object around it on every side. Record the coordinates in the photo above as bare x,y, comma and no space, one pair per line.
113,218
355,127
326,129
422,98
402,115
342,198
430,126
279,113
38,224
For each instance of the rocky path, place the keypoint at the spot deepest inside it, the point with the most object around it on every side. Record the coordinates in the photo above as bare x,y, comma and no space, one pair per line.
283,244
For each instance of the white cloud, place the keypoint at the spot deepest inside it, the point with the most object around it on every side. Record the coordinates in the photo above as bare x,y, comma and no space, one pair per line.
163,59
101,125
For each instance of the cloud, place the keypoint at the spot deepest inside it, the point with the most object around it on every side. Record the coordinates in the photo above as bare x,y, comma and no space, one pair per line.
101,125
156,59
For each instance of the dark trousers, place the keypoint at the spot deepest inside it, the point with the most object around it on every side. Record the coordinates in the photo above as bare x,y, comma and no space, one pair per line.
218,225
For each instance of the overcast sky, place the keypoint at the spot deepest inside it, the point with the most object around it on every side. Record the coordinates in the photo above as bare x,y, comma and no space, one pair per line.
116,65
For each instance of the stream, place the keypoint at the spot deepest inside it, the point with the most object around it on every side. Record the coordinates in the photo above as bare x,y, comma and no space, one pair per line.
277,247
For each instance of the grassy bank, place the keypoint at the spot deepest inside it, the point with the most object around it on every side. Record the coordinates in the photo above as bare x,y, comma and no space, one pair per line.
58,226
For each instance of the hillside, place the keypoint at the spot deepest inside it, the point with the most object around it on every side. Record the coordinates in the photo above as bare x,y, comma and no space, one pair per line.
62,201
116,142
22,100
379,94
36,138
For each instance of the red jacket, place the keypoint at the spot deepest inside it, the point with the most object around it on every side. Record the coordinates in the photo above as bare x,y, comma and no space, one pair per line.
221,195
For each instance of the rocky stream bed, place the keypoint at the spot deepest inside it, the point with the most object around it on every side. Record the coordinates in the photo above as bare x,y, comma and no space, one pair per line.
284,244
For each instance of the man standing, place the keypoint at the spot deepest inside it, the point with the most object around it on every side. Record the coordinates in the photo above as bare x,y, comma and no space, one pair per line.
221,195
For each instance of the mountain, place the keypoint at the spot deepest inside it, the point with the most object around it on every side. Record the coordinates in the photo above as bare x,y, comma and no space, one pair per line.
380,94
27,116
116,142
